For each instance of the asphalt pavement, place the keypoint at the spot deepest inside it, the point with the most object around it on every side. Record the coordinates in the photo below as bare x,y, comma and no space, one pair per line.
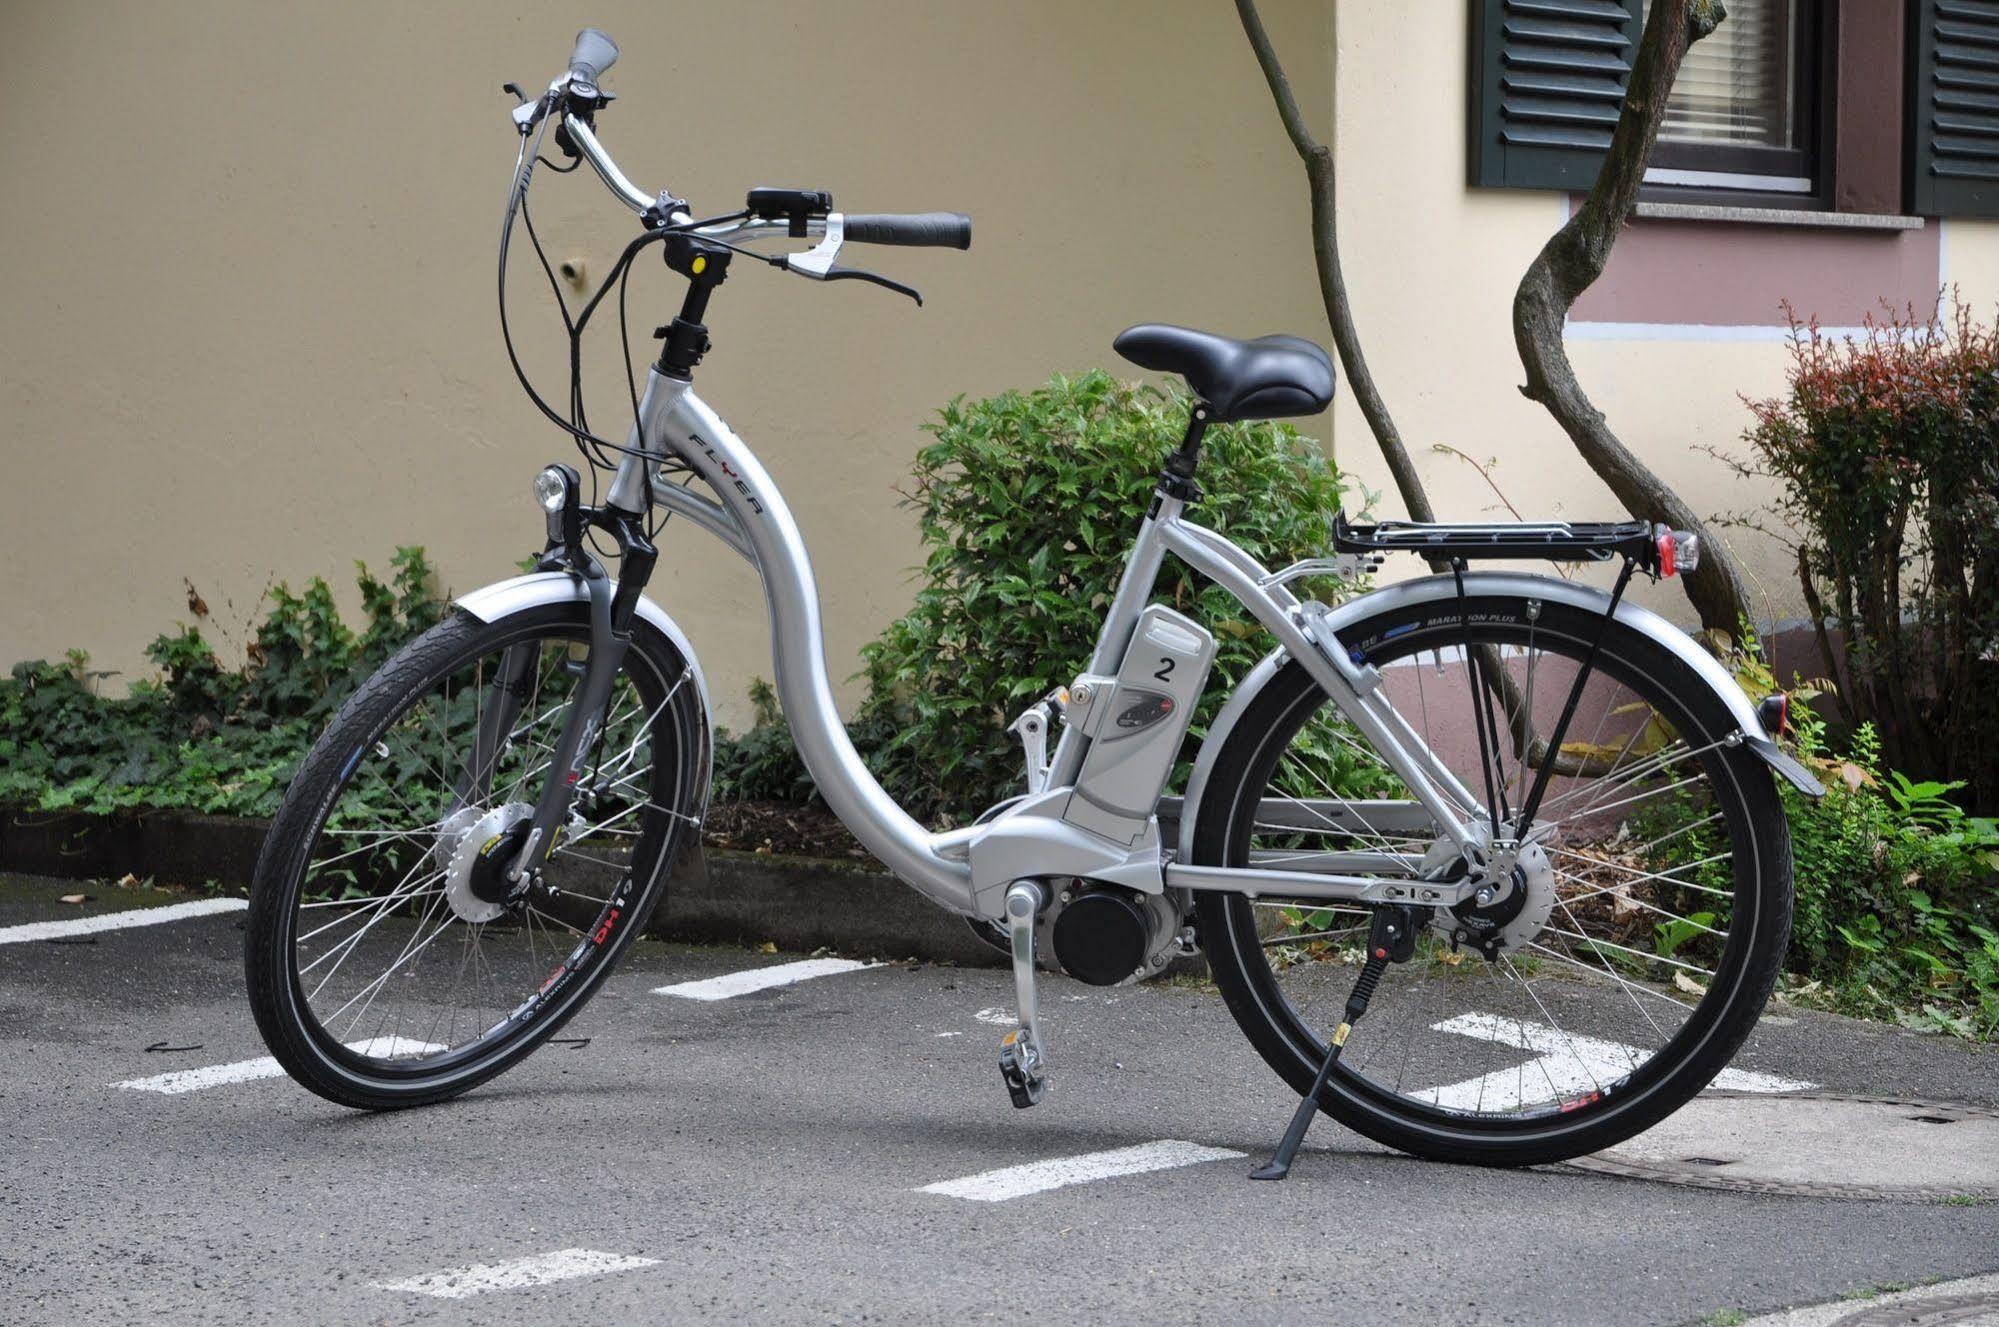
838,1148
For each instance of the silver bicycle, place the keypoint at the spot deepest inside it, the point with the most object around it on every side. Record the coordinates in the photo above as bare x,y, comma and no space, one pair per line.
1490,866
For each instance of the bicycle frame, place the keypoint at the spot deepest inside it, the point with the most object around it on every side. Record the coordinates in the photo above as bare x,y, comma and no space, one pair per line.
968,870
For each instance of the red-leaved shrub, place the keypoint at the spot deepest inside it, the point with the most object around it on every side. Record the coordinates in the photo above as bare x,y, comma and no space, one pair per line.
1887,448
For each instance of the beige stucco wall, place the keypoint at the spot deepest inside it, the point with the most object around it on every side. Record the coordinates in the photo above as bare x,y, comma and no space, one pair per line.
248,263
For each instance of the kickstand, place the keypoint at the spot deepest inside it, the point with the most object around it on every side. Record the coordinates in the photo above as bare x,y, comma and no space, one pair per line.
1391,937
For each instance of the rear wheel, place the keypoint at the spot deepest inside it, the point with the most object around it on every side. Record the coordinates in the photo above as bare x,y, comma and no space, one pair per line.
390,961
1611,984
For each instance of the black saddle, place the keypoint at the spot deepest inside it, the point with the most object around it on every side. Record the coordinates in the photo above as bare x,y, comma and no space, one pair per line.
1272,377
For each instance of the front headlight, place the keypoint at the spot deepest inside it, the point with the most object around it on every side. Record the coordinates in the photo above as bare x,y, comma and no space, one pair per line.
551,489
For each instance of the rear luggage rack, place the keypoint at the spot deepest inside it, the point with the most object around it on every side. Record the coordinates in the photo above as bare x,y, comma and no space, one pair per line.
1651,548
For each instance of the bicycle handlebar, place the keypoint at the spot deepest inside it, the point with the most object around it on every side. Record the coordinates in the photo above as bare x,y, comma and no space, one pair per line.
585,138
595,53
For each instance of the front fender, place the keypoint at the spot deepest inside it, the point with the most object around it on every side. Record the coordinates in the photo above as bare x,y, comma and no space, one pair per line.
1429,589
505,598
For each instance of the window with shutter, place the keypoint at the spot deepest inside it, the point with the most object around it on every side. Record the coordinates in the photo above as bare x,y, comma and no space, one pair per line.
1547,78
1744,112
1954,108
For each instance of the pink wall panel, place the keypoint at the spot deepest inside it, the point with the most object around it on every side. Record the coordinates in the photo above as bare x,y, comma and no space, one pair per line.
1738,275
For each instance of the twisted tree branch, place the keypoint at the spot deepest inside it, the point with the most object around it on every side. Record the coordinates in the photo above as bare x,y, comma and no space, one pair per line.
1318,159
1571,261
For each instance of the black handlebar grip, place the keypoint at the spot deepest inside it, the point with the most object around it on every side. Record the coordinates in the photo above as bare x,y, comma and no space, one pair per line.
594,54
936,230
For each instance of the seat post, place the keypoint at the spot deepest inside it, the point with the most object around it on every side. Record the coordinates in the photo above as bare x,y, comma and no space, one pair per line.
1176,478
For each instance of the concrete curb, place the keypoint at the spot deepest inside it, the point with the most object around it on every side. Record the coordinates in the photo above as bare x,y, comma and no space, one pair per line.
720,896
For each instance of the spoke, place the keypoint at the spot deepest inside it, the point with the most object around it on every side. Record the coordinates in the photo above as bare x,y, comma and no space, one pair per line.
376,985
550,917
1308,906
1612,781
1685,921
584,856
1316,935
356,902
631,751
346,946
371,905
324,862
1580,1059
1635,989
1640,877
1626,949
1653,792
1707,819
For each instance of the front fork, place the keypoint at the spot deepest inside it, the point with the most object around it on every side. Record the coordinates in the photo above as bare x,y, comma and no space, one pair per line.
611,612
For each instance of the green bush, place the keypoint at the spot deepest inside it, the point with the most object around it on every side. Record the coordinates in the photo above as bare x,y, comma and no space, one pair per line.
1884,447
204,736
1026,505
1897,892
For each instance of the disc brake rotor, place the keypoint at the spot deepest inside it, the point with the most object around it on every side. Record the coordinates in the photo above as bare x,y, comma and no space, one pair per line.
1504,914
472,883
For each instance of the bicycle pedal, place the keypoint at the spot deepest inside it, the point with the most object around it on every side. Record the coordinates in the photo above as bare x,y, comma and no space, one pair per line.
1025,1082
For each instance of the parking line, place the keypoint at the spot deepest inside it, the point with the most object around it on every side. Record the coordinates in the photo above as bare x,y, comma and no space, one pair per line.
997,1186
732,984
1565,1064
247,1071
118,921
517,1274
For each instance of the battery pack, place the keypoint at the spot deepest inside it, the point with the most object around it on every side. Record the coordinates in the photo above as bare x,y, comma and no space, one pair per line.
1135,722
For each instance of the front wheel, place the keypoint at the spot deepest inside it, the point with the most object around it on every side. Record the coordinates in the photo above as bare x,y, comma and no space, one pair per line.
1611,983
389,960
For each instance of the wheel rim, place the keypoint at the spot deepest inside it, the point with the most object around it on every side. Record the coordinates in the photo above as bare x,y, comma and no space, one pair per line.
392,971
1650,894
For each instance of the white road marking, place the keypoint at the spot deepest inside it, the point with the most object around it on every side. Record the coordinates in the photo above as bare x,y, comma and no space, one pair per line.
118,921
996,1186
1567,1065
540,1270
761,979
950,1034
248,1071
997,1017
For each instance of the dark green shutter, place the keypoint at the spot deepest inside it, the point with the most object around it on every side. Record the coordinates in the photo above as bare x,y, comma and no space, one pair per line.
1547,80
1954,109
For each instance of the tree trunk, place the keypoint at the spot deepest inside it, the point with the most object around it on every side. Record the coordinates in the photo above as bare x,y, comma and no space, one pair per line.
1571,261
1318,159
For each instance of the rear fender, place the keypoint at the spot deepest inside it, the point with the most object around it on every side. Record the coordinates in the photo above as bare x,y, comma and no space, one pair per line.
1430,589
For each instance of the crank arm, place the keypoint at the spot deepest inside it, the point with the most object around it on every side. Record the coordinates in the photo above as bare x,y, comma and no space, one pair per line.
1023,1059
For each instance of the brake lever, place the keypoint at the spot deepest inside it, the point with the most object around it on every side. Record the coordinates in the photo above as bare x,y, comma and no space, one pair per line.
817,262
874,278
528,113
